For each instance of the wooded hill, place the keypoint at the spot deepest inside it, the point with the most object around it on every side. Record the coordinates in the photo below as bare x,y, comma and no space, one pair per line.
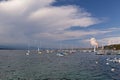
113,47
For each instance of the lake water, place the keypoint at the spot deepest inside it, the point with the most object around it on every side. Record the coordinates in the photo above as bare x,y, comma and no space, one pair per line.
15,65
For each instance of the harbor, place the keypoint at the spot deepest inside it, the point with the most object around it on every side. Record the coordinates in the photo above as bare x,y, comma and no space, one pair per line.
59,39
16,65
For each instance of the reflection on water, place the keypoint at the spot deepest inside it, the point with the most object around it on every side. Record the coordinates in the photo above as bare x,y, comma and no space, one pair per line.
15,65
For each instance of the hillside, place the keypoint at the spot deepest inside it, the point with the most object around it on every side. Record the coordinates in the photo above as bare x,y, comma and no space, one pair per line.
114,46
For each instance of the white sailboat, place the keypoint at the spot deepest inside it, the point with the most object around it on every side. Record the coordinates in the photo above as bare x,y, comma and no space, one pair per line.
61,52
28,51
47,51
38,50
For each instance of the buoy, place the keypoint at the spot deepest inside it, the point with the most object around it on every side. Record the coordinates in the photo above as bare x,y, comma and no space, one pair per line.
112,69
107,63
108,59
96,62
119,61
27,54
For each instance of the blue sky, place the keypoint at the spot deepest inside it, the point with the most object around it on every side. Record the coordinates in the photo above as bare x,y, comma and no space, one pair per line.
107,9
51,22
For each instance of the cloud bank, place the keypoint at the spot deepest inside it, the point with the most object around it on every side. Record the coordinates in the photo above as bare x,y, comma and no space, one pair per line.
24,20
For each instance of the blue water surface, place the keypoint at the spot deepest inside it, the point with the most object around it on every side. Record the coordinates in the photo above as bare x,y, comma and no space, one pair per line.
15,65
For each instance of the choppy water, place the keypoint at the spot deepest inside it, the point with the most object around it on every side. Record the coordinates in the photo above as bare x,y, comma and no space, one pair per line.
15,65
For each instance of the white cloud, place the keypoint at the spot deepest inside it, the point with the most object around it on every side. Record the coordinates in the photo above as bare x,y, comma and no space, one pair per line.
63,17
19,6
110,40
105,40
68,35
22,20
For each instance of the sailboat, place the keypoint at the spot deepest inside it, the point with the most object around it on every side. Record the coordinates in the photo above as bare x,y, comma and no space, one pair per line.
38,50
61,53
28,52
47,51
72,50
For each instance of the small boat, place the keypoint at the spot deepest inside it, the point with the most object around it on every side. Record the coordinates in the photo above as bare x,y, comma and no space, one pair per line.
28,52
47,51
39,52
60,54
116,60
100,52
118,52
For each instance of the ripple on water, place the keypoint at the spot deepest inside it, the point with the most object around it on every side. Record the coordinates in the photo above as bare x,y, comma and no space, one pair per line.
15,65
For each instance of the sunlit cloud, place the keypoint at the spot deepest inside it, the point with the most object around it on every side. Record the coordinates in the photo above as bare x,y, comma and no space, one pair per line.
23,20
110,40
